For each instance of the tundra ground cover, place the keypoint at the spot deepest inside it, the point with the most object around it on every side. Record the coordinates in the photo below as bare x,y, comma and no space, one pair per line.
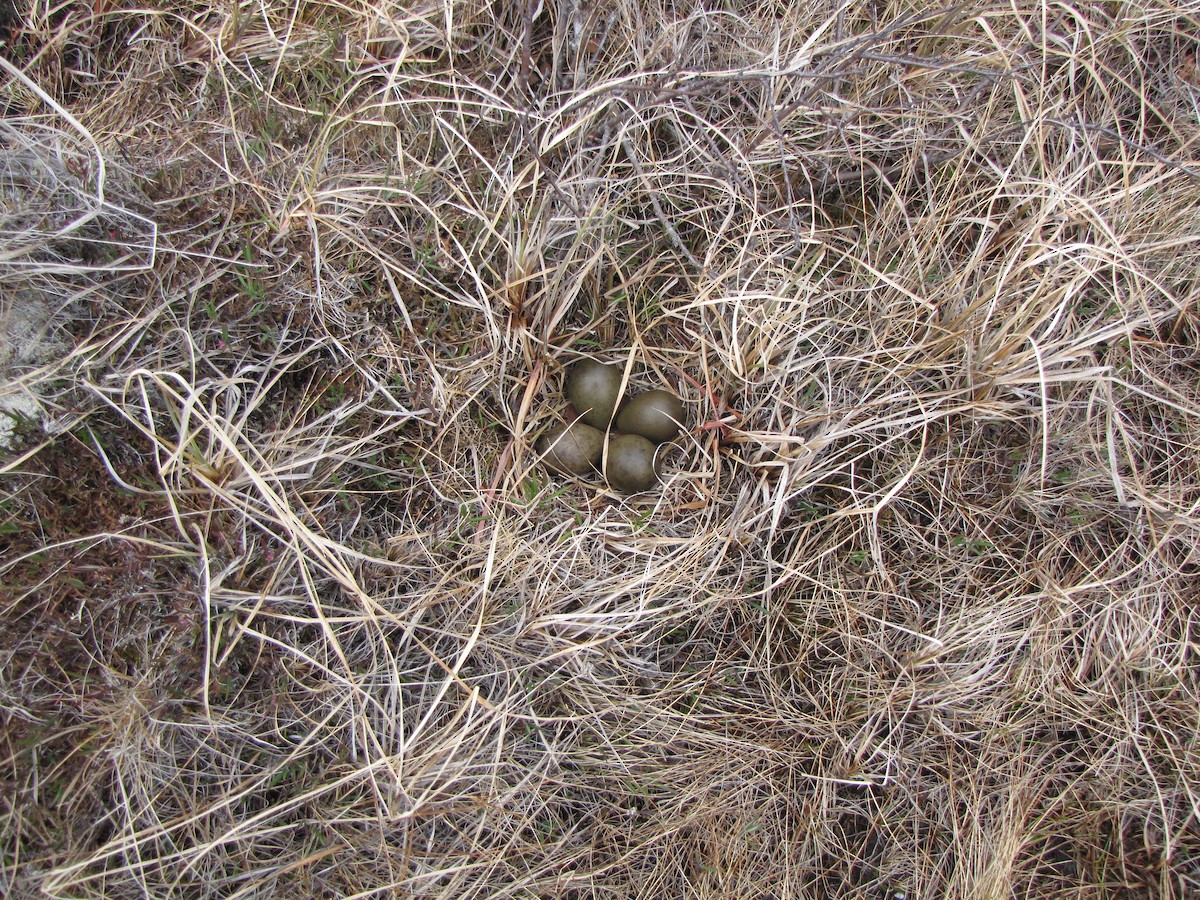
289,604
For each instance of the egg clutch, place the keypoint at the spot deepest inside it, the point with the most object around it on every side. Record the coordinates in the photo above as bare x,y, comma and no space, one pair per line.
644,421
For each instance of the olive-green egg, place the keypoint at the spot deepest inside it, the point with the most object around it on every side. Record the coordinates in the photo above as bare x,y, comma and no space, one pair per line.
631,463
573,449
594,389
656,415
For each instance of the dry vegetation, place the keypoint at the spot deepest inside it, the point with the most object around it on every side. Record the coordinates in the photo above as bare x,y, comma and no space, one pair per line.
290,608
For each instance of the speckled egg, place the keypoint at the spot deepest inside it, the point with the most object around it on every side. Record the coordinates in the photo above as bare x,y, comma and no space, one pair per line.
656,415
631,464
573,449
594,389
